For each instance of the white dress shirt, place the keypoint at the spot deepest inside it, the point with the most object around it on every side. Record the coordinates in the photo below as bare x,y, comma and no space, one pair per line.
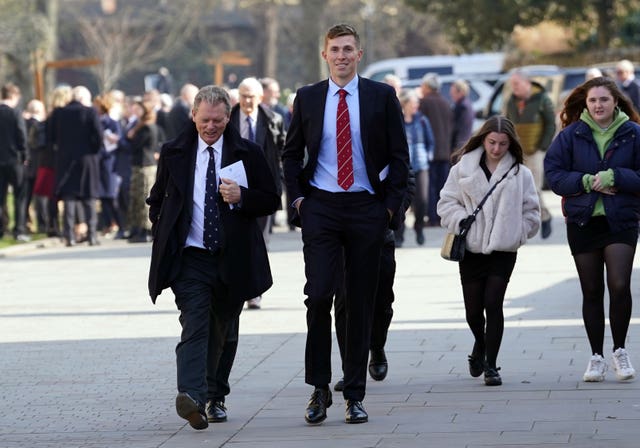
326,174
196,231
244,126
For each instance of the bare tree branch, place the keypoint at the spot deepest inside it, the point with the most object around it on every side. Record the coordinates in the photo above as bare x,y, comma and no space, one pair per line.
133,39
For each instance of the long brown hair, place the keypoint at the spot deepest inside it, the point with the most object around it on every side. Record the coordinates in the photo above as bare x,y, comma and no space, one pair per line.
499,124
576,102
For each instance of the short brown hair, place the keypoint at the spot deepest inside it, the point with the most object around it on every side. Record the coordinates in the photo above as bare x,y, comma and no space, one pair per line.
9,90
342,29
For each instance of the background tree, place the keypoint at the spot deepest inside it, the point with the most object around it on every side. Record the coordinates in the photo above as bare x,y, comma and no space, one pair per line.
132,38
487,24
26,33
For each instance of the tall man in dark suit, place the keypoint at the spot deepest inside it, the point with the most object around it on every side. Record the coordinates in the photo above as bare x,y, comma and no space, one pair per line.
76,135
258,123
346,191
207,246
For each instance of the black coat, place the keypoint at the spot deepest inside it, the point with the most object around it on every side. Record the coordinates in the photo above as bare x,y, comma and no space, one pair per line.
76,135
13,136
270,136
244,262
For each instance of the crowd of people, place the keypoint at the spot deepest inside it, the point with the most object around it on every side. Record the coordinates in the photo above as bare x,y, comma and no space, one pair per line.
202,176
80,168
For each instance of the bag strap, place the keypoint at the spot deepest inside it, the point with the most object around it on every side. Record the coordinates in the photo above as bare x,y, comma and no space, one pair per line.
472,216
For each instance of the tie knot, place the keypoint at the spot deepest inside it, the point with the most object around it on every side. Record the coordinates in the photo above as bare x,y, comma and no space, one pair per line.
342,93
249,119
210,149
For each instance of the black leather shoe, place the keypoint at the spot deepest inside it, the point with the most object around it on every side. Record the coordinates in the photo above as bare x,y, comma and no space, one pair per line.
545,229
317,407
192,411
476,366
355,412
339,386
420,237
378,366
492,377
216,411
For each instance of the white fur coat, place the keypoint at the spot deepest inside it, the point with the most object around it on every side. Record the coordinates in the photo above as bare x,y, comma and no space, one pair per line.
510,215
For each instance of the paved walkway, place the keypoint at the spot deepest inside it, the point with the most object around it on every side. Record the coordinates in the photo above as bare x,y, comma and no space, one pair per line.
87,361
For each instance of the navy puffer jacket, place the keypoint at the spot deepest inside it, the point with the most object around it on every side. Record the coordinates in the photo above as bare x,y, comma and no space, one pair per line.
574,152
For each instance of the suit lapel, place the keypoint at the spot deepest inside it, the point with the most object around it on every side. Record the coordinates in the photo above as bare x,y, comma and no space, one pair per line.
366,98
317,106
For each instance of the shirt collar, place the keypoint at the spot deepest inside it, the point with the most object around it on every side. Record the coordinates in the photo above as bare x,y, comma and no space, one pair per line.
217,146
254,115
351,87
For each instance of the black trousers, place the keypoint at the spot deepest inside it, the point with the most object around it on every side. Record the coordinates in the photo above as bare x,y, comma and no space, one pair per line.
337,225
438,172
383,310
14,174
208,319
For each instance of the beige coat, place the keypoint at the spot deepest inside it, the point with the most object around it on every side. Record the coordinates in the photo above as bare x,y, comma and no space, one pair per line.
510,215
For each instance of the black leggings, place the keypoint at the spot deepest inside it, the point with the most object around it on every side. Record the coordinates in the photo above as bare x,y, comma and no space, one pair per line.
482,296
618,258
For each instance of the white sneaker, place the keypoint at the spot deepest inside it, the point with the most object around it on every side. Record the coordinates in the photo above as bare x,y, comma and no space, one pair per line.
595,369
622,365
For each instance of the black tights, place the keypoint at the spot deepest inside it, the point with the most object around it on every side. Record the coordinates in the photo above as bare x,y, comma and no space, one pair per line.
618,258
480,297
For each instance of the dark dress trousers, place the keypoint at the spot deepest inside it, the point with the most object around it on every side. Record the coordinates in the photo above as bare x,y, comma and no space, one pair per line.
349,224
210,289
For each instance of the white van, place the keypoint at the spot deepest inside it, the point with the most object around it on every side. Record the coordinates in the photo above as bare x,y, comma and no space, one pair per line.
415,67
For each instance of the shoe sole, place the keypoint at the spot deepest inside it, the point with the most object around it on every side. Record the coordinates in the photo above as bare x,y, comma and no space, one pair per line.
624,377
354,422
216,420
593,379
188,410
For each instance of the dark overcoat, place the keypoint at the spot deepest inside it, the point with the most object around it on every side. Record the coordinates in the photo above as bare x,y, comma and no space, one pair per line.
76,135
243,258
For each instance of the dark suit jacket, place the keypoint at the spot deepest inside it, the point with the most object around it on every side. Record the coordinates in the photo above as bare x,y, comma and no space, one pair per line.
383,140
179,117
243,259
270,136
76,135
13,136
633,92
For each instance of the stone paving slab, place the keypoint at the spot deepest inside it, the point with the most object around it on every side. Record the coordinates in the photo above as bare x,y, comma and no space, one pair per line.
87,361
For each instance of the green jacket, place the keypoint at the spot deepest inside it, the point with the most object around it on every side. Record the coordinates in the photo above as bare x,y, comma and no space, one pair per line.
536,125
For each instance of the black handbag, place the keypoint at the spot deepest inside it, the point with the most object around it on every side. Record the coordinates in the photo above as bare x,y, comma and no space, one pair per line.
454,245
